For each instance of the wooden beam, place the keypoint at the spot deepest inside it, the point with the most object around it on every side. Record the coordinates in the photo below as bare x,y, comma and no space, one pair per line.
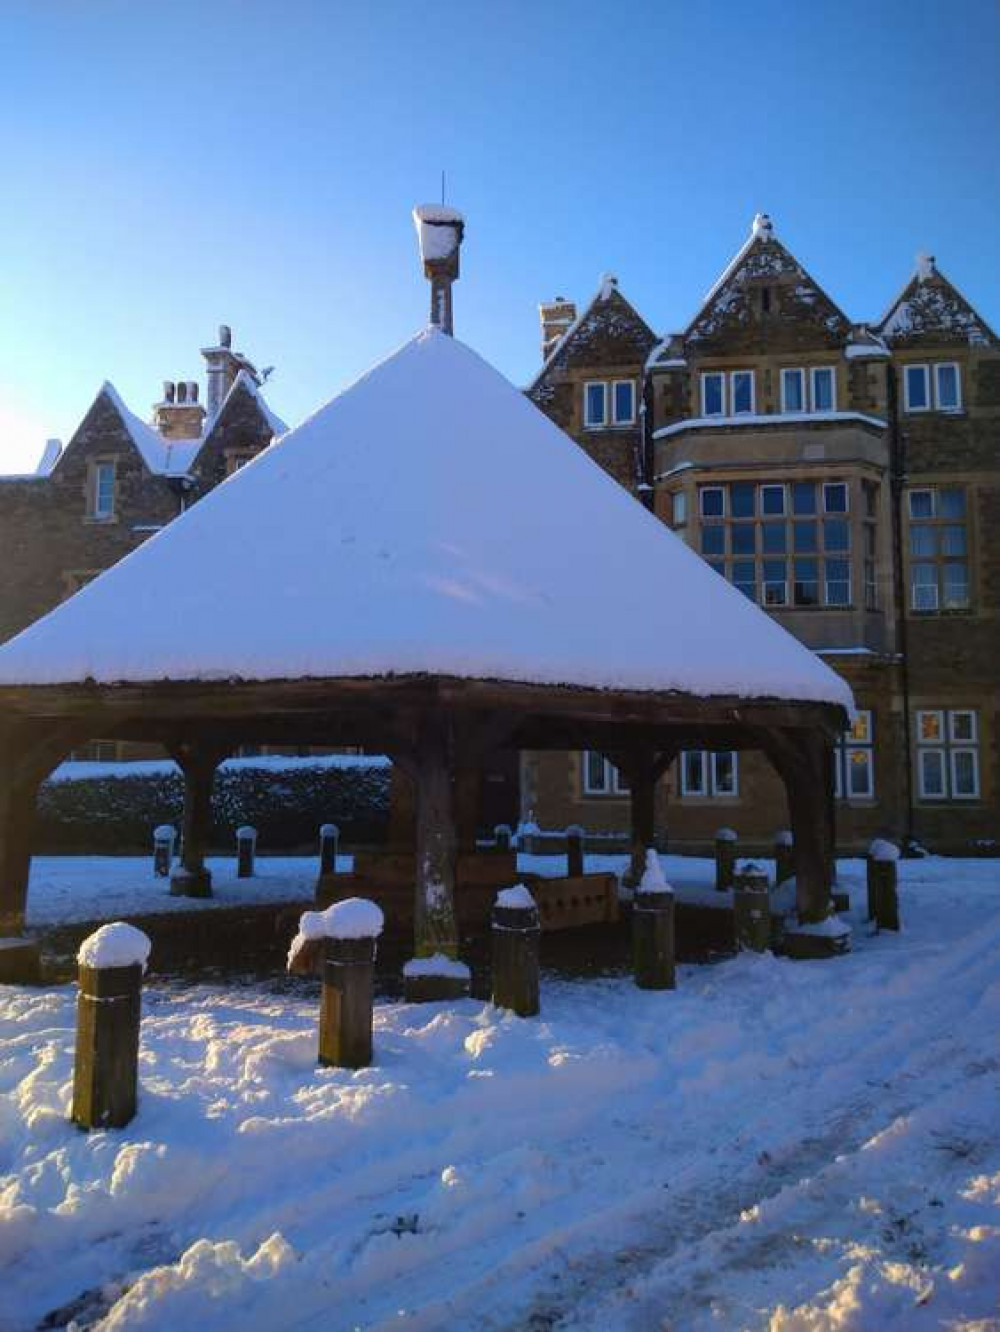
435,920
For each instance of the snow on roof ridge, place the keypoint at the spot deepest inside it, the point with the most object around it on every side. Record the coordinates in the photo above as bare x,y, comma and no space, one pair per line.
149,442
246,379
365,565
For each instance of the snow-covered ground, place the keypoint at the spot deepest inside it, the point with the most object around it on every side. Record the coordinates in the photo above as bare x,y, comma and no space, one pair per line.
774,1145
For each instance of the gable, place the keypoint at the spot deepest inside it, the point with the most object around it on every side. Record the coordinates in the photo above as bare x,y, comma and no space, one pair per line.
765,298
931,310
610,331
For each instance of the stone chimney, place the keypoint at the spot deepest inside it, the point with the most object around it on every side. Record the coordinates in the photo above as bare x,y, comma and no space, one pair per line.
440,231
557,318
180,415
222,365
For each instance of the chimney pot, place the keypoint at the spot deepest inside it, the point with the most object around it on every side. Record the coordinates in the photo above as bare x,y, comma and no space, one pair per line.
168,390
181,391
225,335
192,390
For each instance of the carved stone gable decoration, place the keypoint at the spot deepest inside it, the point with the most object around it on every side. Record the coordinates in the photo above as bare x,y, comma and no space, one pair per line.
930,309
609,332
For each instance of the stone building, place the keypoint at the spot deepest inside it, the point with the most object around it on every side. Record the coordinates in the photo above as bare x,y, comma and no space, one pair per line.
119,480
845,476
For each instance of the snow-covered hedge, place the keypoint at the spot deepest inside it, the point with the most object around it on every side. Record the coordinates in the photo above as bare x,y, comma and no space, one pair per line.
115,806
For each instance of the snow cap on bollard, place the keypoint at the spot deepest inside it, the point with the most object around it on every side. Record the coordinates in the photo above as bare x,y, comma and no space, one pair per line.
329,830
652,881
882,849
246,833
115,945
517,898
353,918
726,835
783,838
165,832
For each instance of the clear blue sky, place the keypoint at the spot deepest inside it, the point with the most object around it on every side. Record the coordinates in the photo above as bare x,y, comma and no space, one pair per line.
167,167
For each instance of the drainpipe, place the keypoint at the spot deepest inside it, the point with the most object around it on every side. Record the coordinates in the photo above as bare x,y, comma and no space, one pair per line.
647,495
897,481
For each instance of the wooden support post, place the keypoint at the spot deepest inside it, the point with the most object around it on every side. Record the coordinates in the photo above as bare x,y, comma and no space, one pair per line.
653,939
503,836
641,780
725,858
752,909
106,1068
329,843
198,764
574,851
20,962
468,776
246,850
346,1005
516,933
784,856
435,923
804,760
164,838
402,810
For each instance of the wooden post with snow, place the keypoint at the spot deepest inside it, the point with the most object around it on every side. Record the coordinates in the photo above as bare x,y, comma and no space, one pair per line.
246,849
752,909
784,856
516,933
574,851
435,923
329,842
883,886
653,929
106,1067
725,858
163,850
503,835
342,940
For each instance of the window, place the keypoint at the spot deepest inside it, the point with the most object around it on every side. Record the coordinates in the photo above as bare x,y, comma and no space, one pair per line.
948,754
916,388
96,751
741,392
713,394
713,501
947,387
624,401
705,774
793,391
823,389
854,759
601,777
595,404
104,490
835,497
678,508
235,459
938,549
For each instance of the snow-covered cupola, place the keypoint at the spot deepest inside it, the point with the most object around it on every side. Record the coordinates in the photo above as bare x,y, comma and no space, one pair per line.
440,230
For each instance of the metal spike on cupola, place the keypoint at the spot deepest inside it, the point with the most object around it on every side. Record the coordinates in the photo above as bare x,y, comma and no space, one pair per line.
762,226
439,231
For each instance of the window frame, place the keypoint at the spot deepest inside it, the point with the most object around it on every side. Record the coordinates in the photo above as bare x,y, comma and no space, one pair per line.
800,372
616,384
948,365
946,751
103,466
907,404
588,423
824,370
706,375
936,596
708,766
860,739
612,778
732,393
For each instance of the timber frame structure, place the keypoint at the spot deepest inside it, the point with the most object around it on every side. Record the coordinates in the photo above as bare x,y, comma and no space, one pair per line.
436,730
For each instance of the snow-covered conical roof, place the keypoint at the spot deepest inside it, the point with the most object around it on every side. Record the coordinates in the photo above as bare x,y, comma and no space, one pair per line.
428,520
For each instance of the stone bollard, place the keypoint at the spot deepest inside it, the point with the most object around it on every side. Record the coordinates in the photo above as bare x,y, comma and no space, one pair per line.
725,858
751,908
344,936
106,1068
516,932
883,889
784,856
653,929
329,845
503,836
163,850
574,851
246,846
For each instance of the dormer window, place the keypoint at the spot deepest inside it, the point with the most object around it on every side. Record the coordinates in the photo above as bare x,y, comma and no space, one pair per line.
102,495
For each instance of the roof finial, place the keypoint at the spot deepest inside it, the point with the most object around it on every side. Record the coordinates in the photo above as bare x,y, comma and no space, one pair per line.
762,226
440,230
925,265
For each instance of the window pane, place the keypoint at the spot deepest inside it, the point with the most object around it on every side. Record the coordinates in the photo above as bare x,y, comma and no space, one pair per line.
956,586
742,387
964,772
792,396
952,503
804,497
744,538
838,582
931,772
775,583
595,771
861,731
953,541
724,774
624,410
713,539
963,726
741,499
693,772
806,582
745,578
823,390
595,404
923,540
916,387
930,727
804,538
922,503
619,781
925,587
713,502
859,773
718,566
947,387
772,499
679,508
835,497
836,534
774,538
711,388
